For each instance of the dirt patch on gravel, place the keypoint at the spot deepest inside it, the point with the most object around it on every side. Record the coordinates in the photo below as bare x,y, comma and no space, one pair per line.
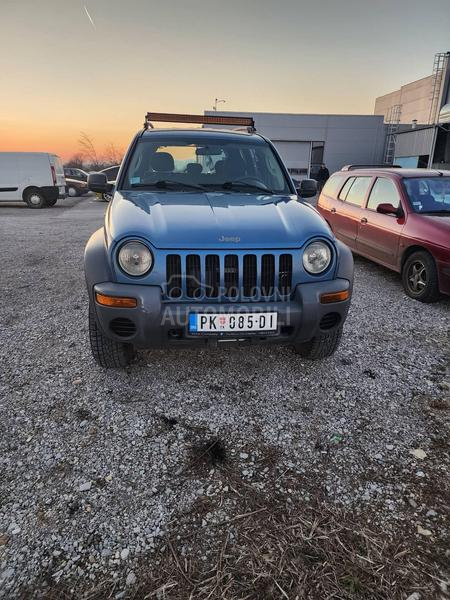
241,542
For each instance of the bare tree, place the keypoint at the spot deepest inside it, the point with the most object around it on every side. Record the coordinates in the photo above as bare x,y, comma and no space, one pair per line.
88,150
76,161
113,155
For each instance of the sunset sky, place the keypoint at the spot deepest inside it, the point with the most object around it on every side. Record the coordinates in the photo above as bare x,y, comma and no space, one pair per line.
62,74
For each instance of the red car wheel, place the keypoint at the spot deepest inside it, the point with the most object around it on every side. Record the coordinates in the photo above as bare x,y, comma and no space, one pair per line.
420,278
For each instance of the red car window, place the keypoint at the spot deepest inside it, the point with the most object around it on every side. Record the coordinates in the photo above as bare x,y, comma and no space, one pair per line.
383,192
333,185
345,189
358,190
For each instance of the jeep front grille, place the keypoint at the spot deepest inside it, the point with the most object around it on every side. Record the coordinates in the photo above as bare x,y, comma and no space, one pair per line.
250,275
193,278
228,276
231,276
212,275
267,274
285,274
174,276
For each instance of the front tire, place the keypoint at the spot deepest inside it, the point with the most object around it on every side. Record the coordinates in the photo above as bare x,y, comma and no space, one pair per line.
108,353
420,278
321,346
34,198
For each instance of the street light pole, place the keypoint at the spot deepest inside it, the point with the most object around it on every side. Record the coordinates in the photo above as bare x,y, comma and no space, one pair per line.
216,102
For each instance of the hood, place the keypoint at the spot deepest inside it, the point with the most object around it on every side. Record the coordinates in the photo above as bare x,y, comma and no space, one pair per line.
214,220
441,221
434,229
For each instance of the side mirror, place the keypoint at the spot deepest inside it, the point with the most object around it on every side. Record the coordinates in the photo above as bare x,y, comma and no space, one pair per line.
98,182
388,209
307,188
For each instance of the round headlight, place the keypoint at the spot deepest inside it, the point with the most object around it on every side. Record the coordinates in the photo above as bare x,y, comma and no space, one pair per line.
135,258
316,257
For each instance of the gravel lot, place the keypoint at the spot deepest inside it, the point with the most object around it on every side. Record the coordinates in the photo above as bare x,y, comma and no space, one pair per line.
119,484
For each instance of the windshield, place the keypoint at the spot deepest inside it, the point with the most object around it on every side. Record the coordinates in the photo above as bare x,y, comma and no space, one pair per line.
188,163
429,194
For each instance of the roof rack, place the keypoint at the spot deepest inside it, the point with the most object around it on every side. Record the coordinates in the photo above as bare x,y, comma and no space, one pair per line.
242,122
354,167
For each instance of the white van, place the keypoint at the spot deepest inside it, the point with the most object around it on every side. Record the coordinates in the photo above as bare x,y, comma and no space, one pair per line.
36,178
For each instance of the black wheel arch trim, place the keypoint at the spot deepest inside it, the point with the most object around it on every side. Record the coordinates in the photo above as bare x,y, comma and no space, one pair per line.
345,262
407,252
96,263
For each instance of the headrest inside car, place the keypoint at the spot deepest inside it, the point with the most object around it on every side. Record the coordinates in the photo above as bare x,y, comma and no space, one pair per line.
219,167
162,161
194,168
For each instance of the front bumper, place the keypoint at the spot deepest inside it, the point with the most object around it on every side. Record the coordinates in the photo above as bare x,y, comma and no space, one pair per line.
155,323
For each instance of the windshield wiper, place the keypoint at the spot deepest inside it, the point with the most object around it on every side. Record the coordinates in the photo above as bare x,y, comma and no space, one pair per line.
165,183
435,212
228,185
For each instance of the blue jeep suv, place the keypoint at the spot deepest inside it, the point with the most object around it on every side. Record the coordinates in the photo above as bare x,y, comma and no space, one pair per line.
206,241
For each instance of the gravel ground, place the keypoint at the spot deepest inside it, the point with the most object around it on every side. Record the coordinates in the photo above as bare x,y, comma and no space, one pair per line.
100,469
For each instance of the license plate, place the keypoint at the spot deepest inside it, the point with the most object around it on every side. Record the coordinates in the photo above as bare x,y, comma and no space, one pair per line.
233,322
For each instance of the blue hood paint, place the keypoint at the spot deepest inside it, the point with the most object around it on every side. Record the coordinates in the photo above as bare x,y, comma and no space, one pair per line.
201,220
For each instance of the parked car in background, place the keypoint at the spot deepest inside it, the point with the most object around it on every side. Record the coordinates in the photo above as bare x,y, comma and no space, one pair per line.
111,174
399,218
205,242
36,178
74,173
75,187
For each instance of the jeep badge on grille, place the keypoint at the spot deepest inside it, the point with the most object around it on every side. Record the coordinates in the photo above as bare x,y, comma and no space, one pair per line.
227,238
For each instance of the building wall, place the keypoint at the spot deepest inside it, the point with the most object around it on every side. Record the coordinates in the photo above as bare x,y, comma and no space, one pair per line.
416,142
348,138
414,97
384,103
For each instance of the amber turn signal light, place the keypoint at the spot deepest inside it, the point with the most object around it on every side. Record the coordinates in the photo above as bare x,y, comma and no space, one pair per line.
116,301
330,297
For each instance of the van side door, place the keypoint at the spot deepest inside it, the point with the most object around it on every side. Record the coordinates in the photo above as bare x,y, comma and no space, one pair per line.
10,178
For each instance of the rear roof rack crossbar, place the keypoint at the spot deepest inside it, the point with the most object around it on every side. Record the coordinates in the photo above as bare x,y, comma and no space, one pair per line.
354,167
243,122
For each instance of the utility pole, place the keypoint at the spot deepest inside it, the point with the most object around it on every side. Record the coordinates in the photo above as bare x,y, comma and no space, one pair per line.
216,102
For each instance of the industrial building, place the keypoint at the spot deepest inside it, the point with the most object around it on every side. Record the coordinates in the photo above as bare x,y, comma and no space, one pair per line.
410,127
413,99
417,118
305,140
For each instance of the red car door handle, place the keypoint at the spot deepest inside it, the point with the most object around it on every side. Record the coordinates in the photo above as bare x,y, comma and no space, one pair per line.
333,210
364,220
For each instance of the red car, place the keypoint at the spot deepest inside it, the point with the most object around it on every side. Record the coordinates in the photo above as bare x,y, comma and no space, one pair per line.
399,218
